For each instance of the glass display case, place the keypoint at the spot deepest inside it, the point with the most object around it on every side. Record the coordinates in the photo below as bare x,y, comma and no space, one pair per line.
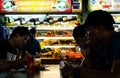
54,31
53,19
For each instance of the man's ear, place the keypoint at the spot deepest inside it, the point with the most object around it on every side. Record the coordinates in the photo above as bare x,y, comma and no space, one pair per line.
101,28
17,35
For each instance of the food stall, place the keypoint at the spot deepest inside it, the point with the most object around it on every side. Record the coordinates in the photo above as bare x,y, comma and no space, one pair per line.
53,19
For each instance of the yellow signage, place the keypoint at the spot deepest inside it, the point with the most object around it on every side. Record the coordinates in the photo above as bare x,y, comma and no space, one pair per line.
35,6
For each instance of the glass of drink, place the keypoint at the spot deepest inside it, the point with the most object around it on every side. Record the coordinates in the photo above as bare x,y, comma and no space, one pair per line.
37,62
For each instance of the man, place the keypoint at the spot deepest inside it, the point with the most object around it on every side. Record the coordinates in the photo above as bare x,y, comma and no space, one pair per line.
32,46
101,32
79,34
10,55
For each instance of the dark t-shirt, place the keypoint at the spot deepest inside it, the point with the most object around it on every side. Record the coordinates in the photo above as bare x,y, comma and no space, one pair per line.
104,57
32,46
7,51
2,33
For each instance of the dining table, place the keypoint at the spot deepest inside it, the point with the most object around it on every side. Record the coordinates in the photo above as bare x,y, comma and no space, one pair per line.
50,71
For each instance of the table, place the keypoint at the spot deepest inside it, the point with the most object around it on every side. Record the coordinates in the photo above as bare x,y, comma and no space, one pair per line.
51,71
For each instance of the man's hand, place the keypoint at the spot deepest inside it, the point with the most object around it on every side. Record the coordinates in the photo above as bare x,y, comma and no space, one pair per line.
67,71
116,66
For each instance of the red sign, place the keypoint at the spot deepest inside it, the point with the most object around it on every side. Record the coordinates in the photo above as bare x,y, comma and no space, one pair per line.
35,6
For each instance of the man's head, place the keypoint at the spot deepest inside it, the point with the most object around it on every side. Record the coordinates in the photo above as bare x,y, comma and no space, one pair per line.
100,17
19,36
79,35
99,23
33,31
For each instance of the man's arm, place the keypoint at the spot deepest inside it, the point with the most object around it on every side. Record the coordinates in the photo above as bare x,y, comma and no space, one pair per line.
115,72
89,73
116,66
7,65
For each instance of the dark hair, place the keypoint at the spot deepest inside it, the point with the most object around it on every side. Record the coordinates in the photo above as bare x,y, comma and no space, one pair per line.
21,31
33,30
100,17
79,31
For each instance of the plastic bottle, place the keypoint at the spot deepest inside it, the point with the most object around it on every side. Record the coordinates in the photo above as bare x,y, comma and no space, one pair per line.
30,64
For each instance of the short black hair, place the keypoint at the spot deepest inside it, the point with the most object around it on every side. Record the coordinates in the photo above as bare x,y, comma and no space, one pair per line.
21,31
100,17
33,30
79,31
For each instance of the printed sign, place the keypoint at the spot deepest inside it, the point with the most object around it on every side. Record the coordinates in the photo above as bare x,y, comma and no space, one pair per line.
76,5
107,5
35,6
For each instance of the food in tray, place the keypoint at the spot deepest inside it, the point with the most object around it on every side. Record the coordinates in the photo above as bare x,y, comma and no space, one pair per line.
51,42
45,33
59,33
66,42
55,52
47,54
58,42
67,33
75,55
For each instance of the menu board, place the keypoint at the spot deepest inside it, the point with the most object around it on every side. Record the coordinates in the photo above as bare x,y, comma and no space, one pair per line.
107,5
35,6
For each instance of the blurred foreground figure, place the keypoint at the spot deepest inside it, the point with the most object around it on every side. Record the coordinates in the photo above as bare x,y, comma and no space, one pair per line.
99,24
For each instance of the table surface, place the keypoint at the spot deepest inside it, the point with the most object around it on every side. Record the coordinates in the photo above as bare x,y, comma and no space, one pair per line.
51,71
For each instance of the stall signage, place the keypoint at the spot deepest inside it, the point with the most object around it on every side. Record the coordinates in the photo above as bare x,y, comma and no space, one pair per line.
77,6
35,5
107,5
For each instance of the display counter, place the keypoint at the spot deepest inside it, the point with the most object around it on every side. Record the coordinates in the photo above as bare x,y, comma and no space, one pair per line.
46,60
